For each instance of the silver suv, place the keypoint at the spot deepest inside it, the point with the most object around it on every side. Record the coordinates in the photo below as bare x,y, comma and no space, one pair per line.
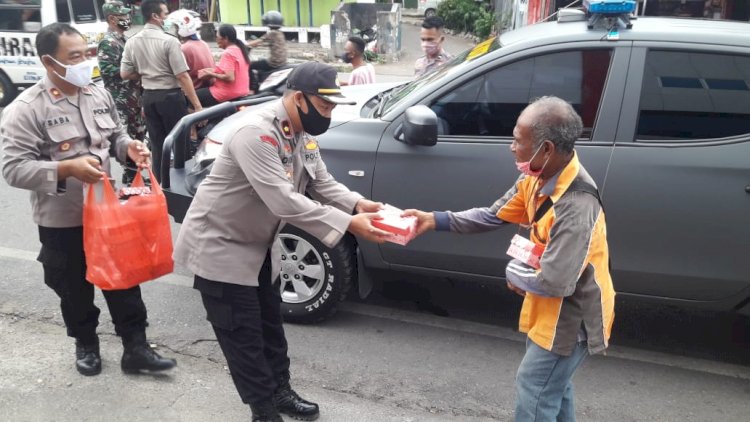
666,110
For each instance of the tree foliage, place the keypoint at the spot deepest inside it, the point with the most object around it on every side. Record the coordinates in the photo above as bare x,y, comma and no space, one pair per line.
470,16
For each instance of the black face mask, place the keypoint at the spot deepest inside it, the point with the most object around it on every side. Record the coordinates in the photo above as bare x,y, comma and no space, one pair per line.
346,58
123,24
313,122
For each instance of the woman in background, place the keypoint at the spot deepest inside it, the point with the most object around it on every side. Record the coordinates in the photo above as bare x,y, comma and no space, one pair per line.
231,76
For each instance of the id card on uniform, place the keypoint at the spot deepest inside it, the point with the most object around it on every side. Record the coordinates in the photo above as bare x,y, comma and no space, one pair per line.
525,251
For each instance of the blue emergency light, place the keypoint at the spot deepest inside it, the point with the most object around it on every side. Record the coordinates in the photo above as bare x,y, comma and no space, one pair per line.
614,13
609,7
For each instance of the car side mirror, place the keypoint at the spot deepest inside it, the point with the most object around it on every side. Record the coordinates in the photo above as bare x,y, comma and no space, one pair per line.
420,126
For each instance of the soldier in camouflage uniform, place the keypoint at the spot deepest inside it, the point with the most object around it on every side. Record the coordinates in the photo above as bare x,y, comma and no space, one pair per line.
127,94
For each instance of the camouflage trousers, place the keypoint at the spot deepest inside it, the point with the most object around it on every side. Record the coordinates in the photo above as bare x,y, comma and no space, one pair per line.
131,116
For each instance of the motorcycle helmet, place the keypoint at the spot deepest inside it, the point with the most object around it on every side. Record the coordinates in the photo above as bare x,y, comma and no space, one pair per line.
185,23
272,19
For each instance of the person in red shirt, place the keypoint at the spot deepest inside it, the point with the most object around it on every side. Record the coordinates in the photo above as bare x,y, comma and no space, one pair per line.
231,76
185,25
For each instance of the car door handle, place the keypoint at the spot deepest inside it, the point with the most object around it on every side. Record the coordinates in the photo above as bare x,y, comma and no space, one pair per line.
747,189
356,173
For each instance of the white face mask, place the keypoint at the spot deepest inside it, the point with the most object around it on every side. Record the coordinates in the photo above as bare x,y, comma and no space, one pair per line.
76,74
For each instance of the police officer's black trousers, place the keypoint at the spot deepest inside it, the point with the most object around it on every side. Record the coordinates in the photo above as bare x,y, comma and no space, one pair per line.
248,325
65,272
163,108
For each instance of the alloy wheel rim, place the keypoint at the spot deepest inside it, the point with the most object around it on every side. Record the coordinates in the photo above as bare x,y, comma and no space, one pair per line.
302,272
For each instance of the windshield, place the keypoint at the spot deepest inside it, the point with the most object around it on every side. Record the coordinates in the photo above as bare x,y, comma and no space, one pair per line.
397,94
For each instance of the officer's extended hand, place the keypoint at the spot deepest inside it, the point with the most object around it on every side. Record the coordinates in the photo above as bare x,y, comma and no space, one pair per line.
361,226
425,220
365,205
87,169
139,153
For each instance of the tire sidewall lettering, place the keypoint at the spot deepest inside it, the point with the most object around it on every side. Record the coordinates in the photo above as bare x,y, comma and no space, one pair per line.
330,280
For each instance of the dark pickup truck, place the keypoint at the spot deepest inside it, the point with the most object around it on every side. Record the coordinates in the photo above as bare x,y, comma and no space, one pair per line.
666,111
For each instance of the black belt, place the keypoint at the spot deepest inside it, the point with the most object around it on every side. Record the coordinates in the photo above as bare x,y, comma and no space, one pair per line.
160,90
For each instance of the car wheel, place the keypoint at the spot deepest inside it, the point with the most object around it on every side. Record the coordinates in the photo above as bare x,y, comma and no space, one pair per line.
313,277
430,12
7,90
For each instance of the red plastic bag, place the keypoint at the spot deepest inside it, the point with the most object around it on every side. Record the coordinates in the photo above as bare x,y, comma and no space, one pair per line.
126,243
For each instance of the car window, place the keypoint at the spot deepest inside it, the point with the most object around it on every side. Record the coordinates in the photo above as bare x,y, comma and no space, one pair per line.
454,65
84,11
694,96
489,105
20,15
63,11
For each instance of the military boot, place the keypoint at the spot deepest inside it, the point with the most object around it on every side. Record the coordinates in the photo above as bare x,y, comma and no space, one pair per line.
265,411
138,356
288,402
88,361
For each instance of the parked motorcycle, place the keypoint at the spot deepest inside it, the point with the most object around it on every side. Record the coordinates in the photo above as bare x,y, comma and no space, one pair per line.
258,79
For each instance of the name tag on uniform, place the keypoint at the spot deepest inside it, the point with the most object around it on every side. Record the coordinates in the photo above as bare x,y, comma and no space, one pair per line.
525,251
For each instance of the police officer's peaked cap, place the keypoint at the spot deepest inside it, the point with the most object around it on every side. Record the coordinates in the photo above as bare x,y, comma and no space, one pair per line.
115,8
317,79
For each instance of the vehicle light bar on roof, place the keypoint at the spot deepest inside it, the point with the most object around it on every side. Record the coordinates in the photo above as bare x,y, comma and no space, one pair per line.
615,13
609,7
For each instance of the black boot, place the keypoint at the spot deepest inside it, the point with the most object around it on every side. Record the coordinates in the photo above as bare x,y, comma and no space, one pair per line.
138,356
265,411
288,402
88,361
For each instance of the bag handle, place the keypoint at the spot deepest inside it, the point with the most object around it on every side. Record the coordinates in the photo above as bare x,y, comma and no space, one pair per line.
108,193
138,181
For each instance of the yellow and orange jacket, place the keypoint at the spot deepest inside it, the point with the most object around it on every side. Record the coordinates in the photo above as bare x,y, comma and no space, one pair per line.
574,277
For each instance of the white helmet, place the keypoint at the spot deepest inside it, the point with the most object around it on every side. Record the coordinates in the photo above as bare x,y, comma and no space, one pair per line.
186,21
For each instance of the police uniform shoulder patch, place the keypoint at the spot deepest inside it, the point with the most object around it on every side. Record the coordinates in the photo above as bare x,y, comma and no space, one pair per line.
269,140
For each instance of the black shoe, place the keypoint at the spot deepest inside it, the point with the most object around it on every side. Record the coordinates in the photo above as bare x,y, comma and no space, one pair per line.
88,361
288,402
265,411
139,356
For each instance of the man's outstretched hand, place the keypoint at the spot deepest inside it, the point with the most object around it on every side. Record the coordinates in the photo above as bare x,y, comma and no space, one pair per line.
425,220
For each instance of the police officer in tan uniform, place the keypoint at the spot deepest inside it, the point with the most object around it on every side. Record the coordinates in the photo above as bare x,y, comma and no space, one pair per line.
55,137
156,58
257,184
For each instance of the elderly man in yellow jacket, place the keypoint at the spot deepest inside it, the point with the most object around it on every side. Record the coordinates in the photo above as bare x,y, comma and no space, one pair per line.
568,306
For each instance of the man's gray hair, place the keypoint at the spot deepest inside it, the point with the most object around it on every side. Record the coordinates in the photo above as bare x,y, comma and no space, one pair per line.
555,120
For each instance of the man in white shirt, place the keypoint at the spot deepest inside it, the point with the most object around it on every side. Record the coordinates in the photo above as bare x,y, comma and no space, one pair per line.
354,53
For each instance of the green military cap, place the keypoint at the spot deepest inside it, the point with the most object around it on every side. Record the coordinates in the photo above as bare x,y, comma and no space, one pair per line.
114,8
